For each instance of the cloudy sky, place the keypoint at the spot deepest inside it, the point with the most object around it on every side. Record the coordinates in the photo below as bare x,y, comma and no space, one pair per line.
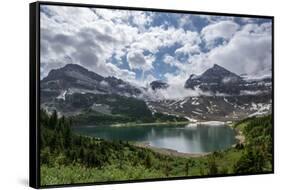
140,46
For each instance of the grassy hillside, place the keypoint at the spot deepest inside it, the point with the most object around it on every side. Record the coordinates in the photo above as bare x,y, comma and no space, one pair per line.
69,158
257,153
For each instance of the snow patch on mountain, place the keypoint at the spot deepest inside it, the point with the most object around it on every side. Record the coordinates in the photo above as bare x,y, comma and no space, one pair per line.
62,95
212,123
260,109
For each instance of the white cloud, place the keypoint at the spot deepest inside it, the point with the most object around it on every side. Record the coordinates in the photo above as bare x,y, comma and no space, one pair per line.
158,37
100,34
185,20
145,82
249,51
142,19
149,78
104,84
139,18
168,59
248,92
220,30
188,49
112,15
173,61
137,60
175,90
112,70
88,41
215,19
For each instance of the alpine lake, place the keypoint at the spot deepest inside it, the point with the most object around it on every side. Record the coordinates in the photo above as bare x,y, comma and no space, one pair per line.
189,138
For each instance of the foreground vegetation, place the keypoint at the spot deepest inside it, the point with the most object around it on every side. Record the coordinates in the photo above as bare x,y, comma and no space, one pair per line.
69,158
257,151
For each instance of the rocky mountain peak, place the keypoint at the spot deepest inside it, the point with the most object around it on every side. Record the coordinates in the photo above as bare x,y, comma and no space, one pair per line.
158,84
217,73
216,79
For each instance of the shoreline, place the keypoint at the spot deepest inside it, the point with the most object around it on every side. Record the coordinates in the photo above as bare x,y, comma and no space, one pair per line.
210,123
240,137
149,124
195,123
169,152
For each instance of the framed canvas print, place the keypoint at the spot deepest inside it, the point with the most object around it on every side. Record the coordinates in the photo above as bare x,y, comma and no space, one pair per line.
125,94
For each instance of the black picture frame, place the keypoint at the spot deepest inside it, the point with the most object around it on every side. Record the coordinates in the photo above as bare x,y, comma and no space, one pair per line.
34,90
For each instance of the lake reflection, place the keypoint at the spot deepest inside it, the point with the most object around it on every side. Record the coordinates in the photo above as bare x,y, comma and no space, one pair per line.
188,139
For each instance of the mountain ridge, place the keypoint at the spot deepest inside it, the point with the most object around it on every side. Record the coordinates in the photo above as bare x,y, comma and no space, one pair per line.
217,79
73,76
73,89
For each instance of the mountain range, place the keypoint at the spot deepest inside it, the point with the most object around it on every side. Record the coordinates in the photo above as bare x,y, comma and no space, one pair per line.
74,90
